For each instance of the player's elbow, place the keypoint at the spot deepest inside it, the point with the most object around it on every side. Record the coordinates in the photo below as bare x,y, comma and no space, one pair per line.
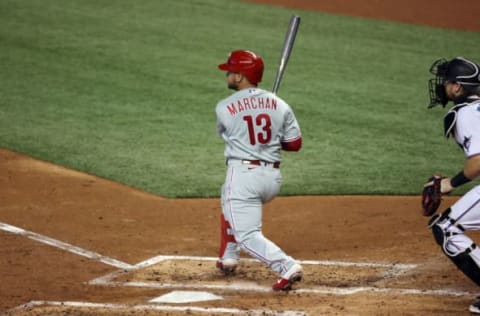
294,145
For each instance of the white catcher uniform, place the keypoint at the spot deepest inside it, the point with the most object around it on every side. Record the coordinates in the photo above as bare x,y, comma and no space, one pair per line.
465,213
458,80
253,123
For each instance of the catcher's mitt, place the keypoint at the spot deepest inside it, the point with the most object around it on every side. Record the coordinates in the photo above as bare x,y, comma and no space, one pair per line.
432,196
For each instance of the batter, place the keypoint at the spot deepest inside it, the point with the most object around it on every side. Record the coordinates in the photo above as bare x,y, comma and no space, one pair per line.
458,80
255,125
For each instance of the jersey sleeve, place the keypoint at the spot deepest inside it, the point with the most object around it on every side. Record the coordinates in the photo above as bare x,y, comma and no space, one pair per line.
220,125
220,128
291,128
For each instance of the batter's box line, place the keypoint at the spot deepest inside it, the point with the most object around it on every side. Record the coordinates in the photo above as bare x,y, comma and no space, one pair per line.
318,290
164,308
392,269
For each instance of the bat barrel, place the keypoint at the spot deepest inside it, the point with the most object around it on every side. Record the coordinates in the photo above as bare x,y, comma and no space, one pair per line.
286,50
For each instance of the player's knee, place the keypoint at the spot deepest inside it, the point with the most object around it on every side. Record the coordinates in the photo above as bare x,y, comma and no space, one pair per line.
248,237
445,231
434,223
438,234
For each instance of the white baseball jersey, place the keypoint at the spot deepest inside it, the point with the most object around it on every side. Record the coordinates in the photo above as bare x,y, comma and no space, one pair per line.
253,122
467,128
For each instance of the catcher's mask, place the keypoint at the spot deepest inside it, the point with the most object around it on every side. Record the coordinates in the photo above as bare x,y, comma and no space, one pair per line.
459,70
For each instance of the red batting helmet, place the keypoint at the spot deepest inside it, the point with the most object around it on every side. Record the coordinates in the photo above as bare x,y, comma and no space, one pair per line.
245,62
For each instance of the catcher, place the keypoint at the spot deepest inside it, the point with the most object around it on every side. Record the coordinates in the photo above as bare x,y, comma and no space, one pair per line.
457,80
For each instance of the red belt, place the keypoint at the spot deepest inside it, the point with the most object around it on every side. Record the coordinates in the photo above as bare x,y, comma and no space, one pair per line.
275,164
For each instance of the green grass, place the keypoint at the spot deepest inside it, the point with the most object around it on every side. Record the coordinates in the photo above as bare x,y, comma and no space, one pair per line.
126,91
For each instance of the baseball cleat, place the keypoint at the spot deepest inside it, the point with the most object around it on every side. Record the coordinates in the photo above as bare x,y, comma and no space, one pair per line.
227,266
475,307
285,284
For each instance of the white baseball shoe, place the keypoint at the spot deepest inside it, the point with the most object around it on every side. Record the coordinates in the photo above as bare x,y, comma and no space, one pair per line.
227,266
475,307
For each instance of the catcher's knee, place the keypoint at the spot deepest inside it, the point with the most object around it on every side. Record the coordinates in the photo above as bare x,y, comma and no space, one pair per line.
437,224
438,232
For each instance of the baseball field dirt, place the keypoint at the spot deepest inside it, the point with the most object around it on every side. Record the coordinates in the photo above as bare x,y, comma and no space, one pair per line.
75,244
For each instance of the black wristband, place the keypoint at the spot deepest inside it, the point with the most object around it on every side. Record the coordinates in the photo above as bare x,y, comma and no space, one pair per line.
459,179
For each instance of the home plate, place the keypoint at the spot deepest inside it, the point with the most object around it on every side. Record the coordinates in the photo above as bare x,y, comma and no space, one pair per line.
186,297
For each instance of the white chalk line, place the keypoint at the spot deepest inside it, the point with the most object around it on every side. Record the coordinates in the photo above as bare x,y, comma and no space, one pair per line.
393,269
149,307
65,246
400,266
319,290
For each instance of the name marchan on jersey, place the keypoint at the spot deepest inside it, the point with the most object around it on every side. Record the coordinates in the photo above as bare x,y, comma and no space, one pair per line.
251,103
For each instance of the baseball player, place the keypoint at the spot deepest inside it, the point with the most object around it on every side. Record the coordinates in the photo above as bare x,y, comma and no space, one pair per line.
255,125
458,80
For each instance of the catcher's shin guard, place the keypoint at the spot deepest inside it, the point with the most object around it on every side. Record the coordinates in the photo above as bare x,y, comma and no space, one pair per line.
462,260
466,264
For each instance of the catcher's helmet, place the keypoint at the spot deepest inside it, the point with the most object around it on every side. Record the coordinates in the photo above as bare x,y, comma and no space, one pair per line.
245,62
460,70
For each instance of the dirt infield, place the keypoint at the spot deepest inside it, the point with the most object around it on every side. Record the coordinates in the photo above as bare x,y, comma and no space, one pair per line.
74,244
362,255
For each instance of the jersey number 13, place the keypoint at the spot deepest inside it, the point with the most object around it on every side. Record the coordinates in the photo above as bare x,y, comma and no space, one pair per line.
263,124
